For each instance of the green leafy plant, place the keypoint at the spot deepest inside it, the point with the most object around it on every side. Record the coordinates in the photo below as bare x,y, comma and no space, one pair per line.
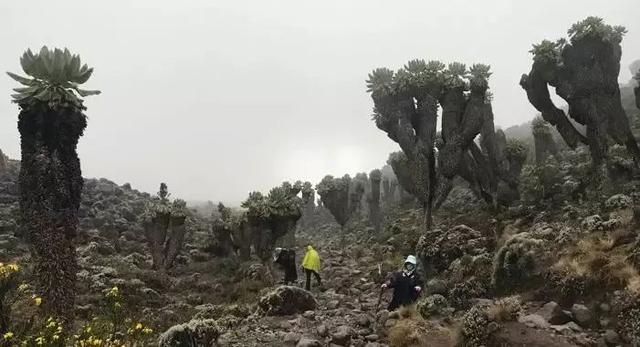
594,27
56,76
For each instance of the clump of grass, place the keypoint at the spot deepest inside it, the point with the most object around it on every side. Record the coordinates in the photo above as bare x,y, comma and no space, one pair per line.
597,259
408,331
505,310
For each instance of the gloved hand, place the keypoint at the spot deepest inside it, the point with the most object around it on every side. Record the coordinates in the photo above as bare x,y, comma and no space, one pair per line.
418,289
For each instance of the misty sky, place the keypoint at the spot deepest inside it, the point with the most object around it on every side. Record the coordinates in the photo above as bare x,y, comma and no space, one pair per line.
219,98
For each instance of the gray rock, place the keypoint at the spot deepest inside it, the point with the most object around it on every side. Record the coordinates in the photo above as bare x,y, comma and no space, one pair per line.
566,329
292,338
286,300
553,313
581,314
372,337
612,337
363,320
305,342
322,330
342,335
534,321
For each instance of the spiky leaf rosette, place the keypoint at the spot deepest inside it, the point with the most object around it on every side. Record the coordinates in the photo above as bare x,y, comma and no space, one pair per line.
56,76
540,126
256,206
281,202
594,27
516,151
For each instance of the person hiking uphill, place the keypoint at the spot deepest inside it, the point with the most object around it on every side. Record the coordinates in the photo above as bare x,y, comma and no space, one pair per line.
311,265
286,258
406,284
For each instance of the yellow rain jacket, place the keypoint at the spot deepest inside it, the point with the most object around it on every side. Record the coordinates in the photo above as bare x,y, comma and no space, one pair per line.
311,260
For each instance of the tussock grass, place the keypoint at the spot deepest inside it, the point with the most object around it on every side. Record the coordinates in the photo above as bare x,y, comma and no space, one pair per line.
409,329
505,310
599,259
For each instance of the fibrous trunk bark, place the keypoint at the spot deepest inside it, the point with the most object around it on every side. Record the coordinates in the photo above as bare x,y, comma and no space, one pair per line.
50,192
165,236
374,201
3,162
176,240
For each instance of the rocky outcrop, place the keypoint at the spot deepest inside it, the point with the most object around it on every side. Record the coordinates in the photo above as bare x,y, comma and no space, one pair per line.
286,300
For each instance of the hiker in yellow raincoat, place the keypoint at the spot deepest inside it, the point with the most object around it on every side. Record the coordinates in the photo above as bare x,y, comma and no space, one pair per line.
311,265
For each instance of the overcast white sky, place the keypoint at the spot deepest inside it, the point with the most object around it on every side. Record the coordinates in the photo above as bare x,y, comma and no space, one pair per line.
218,98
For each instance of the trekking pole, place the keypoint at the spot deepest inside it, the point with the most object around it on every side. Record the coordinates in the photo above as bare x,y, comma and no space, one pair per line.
379,301
375,314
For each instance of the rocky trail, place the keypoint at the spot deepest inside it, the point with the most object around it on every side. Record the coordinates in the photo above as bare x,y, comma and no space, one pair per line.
346,314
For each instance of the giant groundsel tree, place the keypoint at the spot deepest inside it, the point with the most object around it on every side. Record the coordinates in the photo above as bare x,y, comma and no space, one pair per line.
334,194
406,108
164,228
584,72
50,122
272,216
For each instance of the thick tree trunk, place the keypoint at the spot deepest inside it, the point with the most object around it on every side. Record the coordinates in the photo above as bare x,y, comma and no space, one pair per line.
156,233
176,240
544,146
3,162
374,201
50,192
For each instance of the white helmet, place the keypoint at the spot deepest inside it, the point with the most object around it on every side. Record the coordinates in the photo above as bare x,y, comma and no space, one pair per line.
276,254
411,259
410,265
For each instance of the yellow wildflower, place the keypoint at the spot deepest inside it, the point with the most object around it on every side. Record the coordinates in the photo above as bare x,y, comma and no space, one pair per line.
147,330
37,300
23,287
8,335
139,326
14,267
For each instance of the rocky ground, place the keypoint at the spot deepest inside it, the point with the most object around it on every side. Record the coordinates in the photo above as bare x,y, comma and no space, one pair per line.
517,278
345,313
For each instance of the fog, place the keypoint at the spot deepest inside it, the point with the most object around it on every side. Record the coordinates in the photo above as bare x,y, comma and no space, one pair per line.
219,98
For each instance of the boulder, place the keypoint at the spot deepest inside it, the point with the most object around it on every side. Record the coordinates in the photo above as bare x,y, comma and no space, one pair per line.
612,338
342,335
553,314
581,314
287,300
